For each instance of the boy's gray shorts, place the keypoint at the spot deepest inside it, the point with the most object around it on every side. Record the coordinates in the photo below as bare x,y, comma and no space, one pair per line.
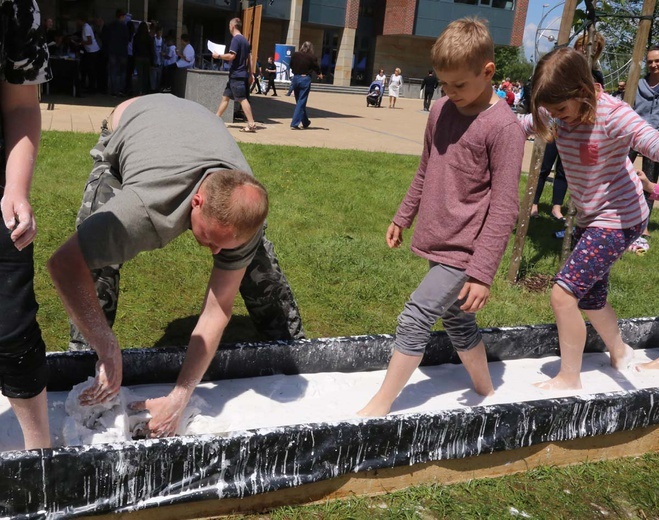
436,297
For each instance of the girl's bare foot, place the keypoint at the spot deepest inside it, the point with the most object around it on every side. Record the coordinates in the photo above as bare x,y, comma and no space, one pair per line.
560,382
650,365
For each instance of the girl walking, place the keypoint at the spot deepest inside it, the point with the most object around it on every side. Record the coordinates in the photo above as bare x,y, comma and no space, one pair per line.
593,132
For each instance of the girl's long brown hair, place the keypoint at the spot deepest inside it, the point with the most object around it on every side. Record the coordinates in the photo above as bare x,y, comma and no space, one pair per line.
561,75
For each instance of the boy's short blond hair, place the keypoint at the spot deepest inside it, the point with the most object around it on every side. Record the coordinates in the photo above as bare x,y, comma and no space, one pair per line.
465,42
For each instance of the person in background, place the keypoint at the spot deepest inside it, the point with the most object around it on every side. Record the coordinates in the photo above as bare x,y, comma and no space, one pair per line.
559,186
158,52
581,45
258,76
91,58
240,72
271,73
143,50
130,58
645,105
381,77
116,47
23,370
303,63
186,56
169,62
620,93
395,83
428,86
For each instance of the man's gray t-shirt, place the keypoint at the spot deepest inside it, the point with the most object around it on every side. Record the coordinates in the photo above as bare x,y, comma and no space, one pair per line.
161,151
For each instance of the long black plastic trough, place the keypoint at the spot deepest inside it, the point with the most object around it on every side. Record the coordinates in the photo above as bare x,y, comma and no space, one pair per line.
82,480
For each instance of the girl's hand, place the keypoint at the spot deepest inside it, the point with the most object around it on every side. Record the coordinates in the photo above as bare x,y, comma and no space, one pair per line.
18,217
647,184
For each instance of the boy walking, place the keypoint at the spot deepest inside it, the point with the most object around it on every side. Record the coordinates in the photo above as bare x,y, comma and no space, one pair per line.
465,197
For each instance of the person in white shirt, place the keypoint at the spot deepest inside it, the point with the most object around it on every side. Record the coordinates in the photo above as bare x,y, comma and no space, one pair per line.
187,56
169,62
382,78
158,52
91,58
395,83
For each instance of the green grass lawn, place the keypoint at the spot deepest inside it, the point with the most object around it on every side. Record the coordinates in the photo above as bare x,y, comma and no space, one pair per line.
329,213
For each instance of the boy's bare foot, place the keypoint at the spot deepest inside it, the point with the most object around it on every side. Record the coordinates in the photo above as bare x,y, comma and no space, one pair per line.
560,383
650,365
622,360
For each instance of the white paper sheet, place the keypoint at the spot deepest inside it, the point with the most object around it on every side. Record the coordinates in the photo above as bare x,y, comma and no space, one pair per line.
216,48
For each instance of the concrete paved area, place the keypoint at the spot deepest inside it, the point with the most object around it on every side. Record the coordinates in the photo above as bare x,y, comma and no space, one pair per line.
337,121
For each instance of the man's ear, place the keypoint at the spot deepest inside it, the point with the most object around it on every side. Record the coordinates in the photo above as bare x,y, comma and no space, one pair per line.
197,200
490,68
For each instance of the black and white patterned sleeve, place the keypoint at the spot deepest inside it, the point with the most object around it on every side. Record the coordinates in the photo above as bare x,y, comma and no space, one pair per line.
25,54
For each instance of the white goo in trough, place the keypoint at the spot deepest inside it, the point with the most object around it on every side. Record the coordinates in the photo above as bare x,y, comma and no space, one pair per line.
236,405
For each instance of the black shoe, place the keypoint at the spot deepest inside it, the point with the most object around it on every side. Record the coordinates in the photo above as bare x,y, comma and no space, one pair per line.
307,125
274,95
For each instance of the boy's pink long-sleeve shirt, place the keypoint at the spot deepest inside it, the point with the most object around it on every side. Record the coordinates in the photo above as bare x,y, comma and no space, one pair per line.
465,192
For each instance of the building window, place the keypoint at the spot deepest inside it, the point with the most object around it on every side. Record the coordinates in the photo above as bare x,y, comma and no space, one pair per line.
497,4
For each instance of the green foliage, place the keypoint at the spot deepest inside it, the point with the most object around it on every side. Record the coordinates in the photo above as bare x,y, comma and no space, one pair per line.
511,63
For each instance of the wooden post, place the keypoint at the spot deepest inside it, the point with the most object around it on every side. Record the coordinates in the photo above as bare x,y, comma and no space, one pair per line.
639,51
536,161
252,30
525,210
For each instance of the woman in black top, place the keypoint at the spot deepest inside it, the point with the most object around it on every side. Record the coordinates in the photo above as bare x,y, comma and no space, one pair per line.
303,63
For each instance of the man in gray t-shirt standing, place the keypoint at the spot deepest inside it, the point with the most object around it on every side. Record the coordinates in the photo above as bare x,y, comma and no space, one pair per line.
149,184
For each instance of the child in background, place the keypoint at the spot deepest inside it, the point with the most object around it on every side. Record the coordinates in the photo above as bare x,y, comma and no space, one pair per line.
465,194
23,371
593,132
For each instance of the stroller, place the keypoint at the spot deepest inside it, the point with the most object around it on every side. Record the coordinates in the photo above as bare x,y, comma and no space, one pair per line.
374,96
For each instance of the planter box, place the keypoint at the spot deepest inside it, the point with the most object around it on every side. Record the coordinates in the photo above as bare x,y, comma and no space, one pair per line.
81,480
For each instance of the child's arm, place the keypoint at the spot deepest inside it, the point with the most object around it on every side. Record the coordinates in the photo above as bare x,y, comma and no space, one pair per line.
623,123
649,186
410,205
505,149
22,128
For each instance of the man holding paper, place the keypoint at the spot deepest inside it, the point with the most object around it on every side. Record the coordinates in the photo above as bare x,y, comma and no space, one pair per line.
240,74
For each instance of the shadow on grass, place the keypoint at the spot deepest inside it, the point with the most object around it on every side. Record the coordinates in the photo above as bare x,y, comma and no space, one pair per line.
239,329
272,111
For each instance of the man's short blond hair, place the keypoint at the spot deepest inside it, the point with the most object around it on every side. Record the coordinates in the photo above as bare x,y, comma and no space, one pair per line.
464,43
234,198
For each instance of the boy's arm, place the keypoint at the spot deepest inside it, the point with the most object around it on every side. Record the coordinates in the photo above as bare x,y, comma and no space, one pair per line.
410,206
21,116
505,151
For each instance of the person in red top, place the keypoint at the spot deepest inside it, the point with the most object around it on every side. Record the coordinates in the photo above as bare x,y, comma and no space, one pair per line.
510,96
465,200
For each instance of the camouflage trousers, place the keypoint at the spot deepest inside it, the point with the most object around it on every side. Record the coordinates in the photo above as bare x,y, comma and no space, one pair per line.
265,290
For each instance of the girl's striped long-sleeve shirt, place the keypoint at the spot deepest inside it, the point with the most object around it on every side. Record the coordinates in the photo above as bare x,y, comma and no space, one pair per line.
603,183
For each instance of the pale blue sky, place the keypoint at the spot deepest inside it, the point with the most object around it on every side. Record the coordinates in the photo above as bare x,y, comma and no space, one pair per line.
533,19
